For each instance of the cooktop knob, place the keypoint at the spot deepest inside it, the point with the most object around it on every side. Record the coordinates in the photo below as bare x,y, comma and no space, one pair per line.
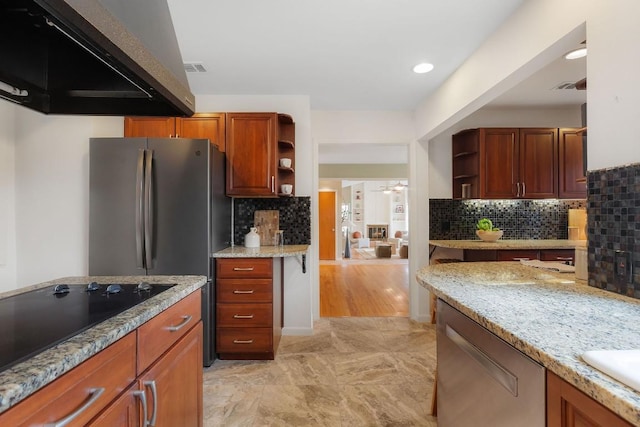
61,289
143,287
93,286
114,289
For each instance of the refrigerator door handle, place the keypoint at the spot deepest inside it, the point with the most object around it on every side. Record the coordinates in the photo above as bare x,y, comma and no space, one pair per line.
148,208
140,210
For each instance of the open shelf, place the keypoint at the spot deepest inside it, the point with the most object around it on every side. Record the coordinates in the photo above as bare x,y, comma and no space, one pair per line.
282,168
464,153
464,176
286,143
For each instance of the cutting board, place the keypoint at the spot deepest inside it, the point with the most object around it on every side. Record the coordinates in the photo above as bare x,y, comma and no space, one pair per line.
267,223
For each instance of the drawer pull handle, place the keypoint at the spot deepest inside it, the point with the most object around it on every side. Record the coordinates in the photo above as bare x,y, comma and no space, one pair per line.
185,320
154,393
143,400
94,394
243,341
242,268
237,291
243,316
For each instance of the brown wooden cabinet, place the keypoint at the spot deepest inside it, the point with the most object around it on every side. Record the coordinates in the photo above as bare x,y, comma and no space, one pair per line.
526,163
248,307
561,255
160,364
173,384
518,163
569,407
209,126
255,144
572,182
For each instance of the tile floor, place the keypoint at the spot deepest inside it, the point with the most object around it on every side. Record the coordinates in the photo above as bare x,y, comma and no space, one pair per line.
353,371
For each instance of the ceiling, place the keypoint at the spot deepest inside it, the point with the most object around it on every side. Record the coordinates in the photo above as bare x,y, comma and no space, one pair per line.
348,57
344,54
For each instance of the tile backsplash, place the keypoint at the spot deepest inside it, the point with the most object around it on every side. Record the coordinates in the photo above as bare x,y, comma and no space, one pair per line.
294,213
519,219
614,225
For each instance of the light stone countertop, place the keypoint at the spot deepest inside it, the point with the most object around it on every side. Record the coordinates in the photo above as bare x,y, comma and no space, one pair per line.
551,317
21,380
505,244
261,252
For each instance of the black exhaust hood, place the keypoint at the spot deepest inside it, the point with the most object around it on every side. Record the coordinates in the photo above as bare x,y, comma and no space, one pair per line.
92,57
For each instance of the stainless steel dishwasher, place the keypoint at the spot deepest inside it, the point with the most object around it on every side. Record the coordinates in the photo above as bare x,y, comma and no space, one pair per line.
482,380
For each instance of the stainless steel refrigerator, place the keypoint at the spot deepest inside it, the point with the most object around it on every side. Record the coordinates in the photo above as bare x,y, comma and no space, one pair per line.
157,207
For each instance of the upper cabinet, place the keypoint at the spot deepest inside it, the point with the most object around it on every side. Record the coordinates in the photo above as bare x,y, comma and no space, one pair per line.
209,126
256,142
508,163
573,183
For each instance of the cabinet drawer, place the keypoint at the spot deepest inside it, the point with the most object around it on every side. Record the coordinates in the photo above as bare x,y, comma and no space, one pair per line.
516,255
112,370
240,340
244,290
244,315
557,255
161,332
238,268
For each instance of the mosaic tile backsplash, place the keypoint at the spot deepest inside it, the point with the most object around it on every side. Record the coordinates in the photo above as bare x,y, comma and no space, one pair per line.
294,213
519,219
614,225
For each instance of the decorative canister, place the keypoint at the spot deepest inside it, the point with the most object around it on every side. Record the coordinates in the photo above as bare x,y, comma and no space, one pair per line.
252,239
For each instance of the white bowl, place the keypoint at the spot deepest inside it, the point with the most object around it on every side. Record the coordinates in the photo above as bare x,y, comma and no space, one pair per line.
285,163
489,236
286,188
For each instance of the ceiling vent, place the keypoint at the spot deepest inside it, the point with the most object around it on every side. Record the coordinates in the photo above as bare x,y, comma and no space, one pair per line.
564,85
194,67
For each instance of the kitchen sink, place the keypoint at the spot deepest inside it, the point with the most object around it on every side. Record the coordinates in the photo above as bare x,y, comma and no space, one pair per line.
623,365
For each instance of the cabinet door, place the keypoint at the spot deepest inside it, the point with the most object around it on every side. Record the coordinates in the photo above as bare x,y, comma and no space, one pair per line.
569,407
572,182
124,412
251,154
538,163
173,385
498,164
155,127
203,125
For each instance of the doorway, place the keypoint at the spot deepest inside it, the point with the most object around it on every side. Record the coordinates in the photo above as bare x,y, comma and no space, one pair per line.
363,282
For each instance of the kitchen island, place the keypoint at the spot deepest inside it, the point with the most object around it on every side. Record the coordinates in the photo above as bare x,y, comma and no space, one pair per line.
21,380
506,244
550,317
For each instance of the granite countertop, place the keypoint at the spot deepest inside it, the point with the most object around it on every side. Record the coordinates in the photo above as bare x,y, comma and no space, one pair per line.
509,244
21,380
261,252
551,317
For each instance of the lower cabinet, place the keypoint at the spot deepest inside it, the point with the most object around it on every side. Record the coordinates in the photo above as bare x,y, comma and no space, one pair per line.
248,307
562,255
113,388
569,407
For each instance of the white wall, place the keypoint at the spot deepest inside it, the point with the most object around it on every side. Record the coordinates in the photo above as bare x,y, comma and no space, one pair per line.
52,192
299,300
440,162
613,95
8,262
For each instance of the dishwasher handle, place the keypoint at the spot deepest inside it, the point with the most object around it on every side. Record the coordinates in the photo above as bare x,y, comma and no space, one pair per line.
494,369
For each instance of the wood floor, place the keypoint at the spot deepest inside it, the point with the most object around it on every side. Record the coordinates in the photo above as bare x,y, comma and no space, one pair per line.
364,288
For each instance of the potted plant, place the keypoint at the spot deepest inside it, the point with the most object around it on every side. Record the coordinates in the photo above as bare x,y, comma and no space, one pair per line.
486,231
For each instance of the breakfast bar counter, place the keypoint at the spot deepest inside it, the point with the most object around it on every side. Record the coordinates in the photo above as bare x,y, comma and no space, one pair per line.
505,244
551,317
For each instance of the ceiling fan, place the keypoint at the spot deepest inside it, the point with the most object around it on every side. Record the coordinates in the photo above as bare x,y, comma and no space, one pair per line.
387,189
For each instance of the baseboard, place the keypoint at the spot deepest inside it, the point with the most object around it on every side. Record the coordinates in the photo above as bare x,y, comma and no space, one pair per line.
297,331
423,319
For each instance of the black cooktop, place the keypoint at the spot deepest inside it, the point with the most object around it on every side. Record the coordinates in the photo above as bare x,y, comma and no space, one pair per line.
34,321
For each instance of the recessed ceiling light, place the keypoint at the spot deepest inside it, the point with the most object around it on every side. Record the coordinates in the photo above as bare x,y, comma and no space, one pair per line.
425,67
578,53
